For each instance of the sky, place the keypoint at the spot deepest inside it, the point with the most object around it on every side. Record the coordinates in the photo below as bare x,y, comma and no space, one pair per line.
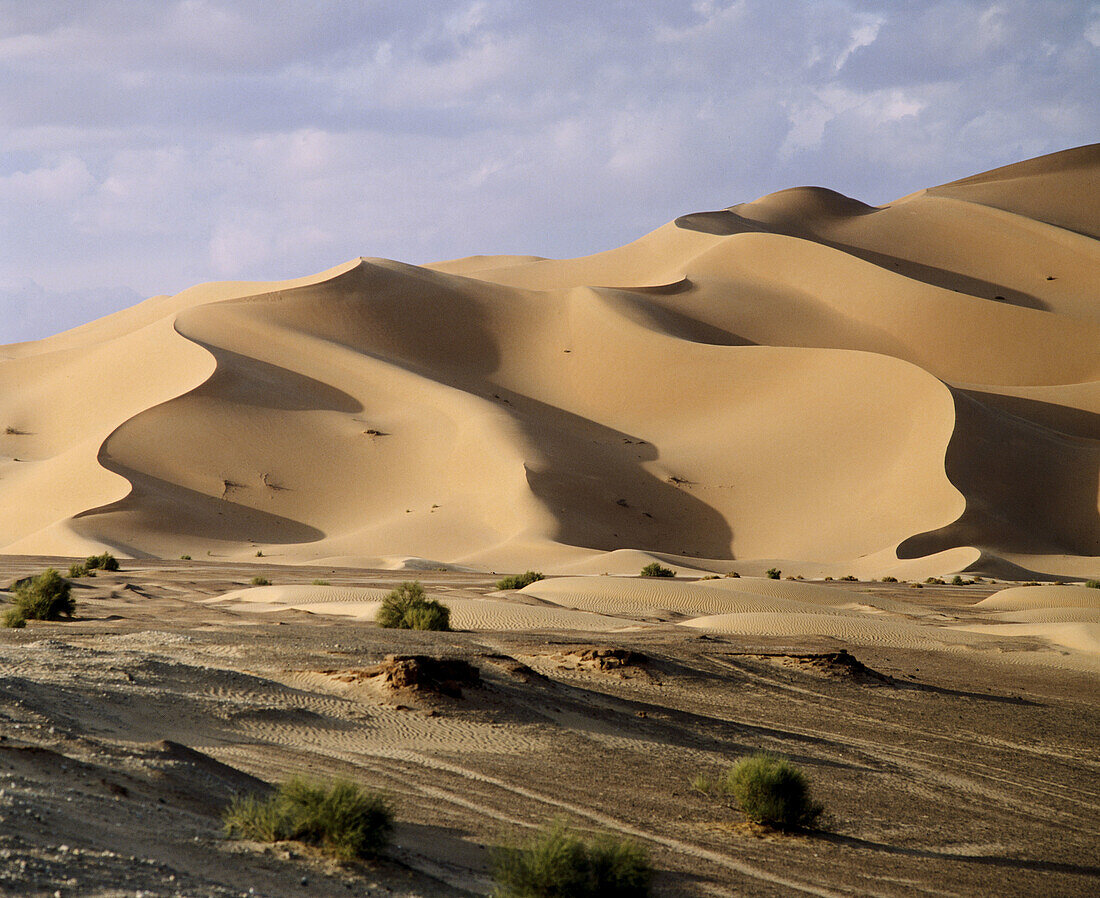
149,146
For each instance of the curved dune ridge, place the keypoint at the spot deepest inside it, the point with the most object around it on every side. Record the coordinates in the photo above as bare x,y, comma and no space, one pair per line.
802,378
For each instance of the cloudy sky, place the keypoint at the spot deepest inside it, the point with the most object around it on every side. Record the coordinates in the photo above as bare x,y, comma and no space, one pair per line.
148,146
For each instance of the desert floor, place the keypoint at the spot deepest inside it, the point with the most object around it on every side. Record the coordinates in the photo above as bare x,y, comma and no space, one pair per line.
967,770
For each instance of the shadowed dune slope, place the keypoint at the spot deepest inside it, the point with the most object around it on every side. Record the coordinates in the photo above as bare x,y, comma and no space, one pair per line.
801,377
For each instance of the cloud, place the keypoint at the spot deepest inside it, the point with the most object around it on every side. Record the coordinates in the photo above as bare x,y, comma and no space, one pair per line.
159,145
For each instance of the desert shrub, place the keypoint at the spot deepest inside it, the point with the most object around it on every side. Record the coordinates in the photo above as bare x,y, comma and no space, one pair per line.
104,562
773,573
849,578
407,608
711,577
259,553
321,583
935,580
339,818
558,863
828,578
1092,584
518,581
958,581
78,569
772,791
44,597
14,619
889,579
653,569
733,574
260,581
185,558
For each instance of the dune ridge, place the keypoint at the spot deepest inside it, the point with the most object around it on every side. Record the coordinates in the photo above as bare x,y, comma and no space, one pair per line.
804,377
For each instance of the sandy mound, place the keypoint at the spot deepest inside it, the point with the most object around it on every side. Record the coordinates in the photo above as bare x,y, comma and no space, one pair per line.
1022,598
466,614
910,389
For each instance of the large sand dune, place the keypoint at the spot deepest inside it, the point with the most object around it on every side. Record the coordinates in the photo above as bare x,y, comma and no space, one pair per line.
802,379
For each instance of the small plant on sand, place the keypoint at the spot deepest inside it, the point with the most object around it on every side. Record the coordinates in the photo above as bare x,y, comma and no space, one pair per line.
321,583
185,558
408,608
772,792
44,597
889,579
653,569
936,581
733,574
93,563
959,581
518,581
773,573
850,578
702,783
259,553
558,863
340,818
1092,584
260,581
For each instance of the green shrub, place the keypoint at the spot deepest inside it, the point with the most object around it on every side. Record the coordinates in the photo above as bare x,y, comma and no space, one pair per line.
78,569
702,783
339,818
259,553
558,863
653,569
889,579
1092,584
185,558
850,578
407,608
14,619
321,583
733,574
772,791
958,581
104,562
260,581
773,573
935,580
45,597
518,581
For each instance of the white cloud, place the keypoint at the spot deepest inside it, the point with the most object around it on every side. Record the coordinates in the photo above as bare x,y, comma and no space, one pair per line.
163,144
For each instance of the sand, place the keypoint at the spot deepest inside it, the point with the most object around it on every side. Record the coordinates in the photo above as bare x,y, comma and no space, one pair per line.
954,750
802,381
802,384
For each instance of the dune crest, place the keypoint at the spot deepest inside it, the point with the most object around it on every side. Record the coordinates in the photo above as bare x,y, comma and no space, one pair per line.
803,377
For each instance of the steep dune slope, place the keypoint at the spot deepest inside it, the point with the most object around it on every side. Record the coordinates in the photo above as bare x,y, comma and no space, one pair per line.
803,377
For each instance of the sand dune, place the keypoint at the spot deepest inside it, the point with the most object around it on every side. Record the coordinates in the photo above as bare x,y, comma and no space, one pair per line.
911,389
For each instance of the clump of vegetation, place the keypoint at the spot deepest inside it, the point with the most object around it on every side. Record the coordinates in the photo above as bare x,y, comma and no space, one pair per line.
710,577
408,608
772,791
653,569
733,574
959,581
829,578
47,596
935,580
321,583
259,553
850,578
889,579
260,581
518,581
773,573
702,783
185,558
1092,584
93,563
339,818
558,863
